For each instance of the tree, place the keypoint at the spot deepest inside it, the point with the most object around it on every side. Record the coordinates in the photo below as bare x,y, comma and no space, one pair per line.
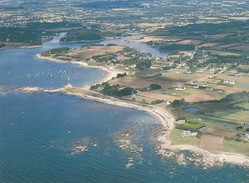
177,103
119,75
125,91
155,86
143,64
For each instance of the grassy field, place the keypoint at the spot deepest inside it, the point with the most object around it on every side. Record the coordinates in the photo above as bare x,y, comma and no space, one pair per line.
223,120
190,95
234,146
243,47
96,51
179,76
158,96
138,98
176,138
158,38
216,132
210,44
166,81
223,53
197,95
242,82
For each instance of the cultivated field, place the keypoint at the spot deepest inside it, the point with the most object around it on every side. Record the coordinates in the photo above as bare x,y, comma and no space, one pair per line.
211,143
241,47
189,41
195,95
223,53
158,96
96,51
216,132
211,44
158,38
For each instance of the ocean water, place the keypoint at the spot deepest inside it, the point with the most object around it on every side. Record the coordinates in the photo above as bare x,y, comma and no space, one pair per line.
129,41
36,145
21,68
38,132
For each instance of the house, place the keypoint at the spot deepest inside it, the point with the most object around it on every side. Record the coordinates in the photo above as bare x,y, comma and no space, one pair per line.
166,102
192,83
246,126
220,91
181,121
227,81
237,74
180,88
233,71
189,134
204,86
245,137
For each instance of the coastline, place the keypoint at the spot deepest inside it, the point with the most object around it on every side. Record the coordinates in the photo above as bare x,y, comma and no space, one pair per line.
204,157
21,47
110,73
84,41
164,116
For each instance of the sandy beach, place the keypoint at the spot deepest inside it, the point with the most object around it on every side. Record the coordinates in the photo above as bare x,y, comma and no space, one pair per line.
164,116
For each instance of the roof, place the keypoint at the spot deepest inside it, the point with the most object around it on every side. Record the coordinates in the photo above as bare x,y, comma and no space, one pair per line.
246,126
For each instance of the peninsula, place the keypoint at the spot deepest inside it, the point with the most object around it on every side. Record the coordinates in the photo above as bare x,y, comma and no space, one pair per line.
124,86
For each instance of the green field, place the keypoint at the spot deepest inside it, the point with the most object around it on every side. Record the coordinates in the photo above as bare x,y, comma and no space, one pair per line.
219,121
177,139
234,146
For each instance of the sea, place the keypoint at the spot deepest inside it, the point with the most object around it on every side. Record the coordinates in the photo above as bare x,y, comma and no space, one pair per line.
39,131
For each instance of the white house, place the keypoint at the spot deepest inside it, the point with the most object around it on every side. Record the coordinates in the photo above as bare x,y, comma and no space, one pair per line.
227,81
189,134
180,88
181,121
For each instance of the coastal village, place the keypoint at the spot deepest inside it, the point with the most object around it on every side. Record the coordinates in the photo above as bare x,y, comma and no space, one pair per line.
186,91
187,68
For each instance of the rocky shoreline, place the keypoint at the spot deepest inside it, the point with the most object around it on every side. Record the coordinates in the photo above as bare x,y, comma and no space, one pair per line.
164,147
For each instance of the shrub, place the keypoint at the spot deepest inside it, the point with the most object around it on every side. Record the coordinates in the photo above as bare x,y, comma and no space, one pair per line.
191,125
155,87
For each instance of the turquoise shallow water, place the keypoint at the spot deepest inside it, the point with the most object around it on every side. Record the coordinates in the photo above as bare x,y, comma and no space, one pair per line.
38,132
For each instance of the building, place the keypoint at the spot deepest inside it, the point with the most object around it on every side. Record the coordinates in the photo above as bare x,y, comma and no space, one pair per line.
180,88
189,134
246,126
227,81
181,121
